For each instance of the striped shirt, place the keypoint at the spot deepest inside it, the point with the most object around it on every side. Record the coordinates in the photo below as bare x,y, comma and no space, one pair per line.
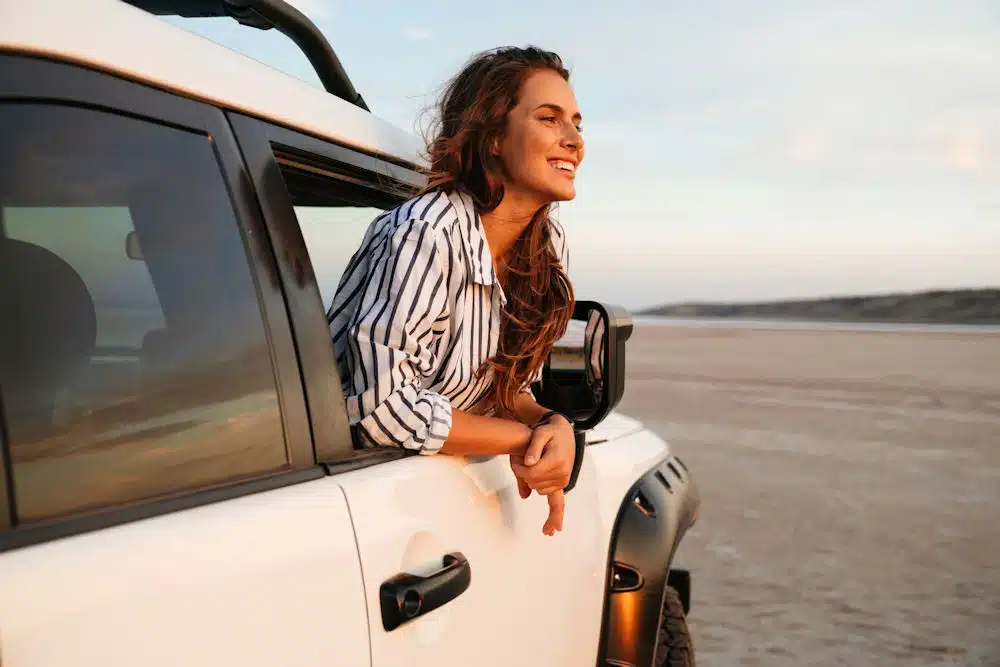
416,313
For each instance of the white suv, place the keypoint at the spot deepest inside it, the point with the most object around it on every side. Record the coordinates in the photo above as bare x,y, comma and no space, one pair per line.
178,481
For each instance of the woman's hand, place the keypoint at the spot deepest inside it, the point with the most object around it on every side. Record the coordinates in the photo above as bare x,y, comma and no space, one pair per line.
548,461
546,467
557,499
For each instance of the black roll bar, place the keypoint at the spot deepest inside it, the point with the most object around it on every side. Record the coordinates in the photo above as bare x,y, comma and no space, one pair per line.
264,15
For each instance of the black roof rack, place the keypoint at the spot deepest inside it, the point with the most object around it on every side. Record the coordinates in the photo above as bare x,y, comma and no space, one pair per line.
264,15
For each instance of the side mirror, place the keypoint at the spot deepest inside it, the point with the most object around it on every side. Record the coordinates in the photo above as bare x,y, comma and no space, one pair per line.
585,375
132,249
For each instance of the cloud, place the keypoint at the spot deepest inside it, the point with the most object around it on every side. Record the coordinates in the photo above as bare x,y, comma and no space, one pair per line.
417,34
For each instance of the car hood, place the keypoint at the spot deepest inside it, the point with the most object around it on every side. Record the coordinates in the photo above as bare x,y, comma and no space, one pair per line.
615,425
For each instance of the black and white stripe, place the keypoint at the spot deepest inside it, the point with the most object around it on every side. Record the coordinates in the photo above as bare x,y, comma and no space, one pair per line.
416,312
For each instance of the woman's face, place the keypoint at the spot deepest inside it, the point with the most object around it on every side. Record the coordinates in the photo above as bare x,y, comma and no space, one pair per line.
543,147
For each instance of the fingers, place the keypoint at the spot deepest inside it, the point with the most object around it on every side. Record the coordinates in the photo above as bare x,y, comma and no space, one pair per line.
536,475
539,440
550,486
518,468
541,483
557,509
545,467
552,469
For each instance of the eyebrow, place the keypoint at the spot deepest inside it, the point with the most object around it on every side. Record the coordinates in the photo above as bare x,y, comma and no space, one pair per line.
555,107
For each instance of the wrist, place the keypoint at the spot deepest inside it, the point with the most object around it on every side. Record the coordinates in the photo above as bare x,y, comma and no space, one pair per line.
524,440
560,419
553,417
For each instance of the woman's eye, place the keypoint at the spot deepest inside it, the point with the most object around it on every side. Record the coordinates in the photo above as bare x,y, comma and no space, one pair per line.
549,119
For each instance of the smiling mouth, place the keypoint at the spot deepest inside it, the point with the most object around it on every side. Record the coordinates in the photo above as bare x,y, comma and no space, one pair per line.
564,166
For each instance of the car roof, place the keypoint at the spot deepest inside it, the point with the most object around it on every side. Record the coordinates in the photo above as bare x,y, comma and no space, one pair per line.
115,37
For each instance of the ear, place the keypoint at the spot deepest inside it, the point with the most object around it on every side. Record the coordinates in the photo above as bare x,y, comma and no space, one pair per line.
495,147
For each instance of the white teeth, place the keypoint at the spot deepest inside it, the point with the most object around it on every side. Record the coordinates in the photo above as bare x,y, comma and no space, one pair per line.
564,165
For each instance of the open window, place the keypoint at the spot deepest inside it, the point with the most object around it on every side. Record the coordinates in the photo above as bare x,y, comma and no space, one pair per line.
318,198
334,204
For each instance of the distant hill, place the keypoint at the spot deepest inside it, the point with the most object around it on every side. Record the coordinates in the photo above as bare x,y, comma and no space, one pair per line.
966,306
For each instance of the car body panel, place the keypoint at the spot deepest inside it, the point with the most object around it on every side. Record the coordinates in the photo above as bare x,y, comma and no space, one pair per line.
614,426
267,579
618,463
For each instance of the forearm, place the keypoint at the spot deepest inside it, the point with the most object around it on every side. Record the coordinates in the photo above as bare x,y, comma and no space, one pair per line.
476,435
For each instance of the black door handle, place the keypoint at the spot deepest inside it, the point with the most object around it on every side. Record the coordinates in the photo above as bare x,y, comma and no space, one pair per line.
406,596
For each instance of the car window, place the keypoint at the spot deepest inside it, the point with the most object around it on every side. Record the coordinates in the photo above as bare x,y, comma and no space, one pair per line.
134,361
332,235
334,208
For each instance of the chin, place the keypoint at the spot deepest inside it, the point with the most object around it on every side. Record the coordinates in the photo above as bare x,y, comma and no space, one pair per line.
569,195
561,194
550,193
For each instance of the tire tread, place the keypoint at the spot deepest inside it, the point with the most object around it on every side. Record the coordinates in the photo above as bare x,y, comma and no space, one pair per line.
674,647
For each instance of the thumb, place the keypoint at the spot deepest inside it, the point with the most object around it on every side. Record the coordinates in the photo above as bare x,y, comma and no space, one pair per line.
535,448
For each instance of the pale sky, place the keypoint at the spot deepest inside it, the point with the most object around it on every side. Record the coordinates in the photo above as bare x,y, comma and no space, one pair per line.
735,150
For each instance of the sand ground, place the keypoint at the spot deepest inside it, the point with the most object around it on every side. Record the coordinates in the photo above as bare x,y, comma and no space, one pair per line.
850,485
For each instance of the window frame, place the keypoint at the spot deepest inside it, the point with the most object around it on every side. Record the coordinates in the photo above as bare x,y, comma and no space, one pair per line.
28,79
266,147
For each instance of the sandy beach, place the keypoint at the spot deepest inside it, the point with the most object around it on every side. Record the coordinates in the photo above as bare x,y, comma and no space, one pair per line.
850,485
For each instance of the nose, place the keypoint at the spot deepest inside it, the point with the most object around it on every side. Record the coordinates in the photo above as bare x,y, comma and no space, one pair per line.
572,139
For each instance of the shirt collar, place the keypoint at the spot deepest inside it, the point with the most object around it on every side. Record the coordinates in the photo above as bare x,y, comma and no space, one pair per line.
477,248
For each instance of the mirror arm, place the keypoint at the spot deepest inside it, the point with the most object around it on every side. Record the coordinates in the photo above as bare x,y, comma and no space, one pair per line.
581,448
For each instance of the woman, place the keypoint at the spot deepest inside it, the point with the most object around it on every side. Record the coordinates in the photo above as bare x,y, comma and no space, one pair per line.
448,310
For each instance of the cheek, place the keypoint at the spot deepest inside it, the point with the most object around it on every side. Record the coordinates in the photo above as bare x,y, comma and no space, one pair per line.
540,142
520,156
525,154
535,148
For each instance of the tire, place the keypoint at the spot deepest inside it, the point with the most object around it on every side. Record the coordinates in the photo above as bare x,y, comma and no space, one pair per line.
673,641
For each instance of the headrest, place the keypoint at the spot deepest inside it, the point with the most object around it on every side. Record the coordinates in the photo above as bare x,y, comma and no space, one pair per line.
48,323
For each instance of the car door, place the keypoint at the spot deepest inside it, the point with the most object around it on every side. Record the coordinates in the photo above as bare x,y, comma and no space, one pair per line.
530,599
160,502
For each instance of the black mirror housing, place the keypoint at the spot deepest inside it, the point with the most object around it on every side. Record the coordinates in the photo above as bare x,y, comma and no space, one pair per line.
584,377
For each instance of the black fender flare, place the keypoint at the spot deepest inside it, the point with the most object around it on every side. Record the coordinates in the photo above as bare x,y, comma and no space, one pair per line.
653,517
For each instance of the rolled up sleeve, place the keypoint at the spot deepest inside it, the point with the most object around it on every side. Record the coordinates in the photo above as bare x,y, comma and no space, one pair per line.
392,344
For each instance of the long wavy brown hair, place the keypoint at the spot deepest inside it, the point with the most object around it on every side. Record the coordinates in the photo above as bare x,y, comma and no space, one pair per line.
471,116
